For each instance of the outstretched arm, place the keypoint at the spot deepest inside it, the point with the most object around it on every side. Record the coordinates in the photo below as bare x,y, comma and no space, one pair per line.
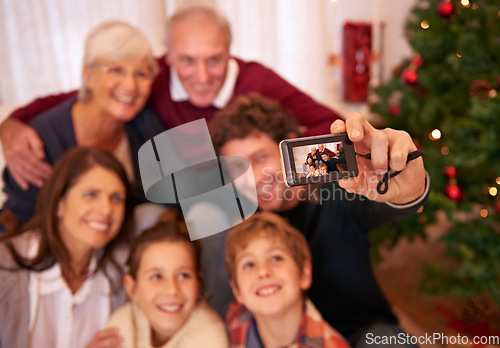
388,148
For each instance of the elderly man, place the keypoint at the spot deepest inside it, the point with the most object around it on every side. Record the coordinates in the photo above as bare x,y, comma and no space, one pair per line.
196,78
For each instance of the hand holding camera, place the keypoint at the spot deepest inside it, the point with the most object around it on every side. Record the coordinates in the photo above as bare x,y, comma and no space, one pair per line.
389,151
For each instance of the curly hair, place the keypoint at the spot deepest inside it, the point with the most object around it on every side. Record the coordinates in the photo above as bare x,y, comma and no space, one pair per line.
248,114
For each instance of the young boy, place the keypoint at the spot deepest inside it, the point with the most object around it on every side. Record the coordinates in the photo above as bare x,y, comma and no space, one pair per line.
269,268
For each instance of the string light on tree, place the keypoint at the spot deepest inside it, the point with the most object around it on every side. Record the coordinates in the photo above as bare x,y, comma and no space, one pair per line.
435,134
493,191
424,25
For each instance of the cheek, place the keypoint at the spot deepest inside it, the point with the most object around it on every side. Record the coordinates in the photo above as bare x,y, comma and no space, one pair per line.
191,290
183,71
218,73
145,89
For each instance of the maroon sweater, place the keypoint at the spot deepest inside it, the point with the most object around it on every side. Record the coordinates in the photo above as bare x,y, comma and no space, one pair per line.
252,77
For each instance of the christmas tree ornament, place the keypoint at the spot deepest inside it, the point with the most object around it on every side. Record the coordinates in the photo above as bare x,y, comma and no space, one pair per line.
409,76
417,61
480,88
454,192
446,9
450,172
395,110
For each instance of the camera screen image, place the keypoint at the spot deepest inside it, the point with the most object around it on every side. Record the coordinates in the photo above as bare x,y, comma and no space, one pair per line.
318,159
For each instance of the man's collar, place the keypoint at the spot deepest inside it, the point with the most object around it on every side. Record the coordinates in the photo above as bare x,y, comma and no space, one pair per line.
178,93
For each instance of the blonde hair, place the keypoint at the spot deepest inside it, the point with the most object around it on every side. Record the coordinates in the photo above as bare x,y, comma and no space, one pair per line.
115,40
267,225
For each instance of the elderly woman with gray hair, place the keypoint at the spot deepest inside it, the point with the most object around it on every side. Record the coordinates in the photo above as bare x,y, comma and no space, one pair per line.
109,112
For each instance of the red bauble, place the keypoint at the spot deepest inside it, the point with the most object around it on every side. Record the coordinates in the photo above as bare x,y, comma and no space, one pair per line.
417,61
450,172
446,9
498,206
454,192
395,110
409,76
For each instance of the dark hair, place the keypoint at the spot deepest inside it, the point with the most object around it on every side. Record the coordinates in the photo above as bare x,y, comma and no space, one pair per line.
170,228
248,114
68,169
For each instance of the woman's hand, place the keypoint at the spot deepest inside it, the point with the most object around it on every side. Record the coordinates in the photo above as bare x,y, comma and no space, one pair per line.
107,338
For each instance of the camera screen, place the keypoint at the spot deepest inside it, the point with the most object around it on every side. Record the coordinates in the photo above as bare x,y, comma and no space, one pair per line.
319,159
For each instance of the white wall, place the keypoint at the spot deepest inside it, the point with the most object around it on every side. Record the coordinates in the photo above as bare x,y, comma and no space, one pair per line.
42,39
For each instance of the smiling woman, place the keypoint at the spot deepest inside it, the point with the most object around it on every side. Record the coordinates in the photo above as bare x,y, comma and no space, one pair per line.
63,269
117,73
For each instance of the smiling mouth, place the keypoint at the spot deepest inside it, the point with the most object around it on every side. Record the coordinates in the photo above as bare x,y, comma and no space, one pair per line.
99,226
201,87
124,99
170,309
268,291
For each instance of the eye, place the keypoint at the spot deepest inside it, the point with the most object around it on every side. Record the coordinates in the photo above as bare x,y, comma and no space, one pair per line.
184,275
143,74
155,276
118,198
247,265
116,70
90,194
276,258
186,60
214,60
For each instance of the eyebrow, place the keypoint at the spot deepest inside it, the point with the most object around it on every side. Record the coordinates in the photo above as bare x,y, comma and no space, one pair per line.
275,248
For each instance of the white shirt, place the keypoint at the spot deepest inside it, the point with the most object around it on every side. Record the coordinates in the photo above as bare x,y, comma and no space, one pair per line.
60,319
178,93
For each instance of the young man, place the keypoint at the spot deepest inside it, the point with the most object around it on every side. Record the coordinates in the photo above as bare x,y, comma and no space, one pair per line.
331,163
337,220
268,264
197,78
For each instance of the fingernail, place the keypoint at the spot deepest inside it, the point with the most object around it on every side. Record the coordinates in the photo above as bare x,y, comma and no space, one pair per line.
355,133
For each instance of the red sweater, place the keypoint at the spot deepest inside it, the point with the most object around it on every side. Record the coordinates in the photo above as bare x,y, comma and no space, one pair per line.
252,77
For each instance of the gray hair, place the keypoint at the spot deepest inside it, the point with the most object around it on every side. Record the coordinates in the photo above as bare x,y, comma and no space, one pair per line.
115,40
203,12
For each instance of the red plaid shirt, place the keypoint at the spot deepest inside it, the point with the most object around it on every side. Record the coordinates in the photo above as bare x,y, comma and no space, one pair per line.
313,332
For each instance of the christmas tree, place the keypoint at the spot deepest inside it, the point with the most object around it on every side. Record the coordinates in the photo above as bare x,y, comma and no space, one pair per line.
446,97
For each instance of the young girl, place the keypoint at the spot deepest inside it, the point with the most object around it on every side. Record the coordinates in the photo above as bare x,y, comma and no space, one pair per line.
166,309
313,171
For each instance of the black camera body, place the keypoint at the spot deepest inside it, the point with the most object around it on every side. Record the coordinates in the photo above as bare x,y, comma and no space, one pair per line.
340,162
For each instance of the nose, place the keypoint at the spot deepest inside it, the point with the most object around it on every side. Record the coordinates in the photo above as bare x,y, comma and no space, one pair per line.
264,271
105,206
202,75
170,287
129,81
